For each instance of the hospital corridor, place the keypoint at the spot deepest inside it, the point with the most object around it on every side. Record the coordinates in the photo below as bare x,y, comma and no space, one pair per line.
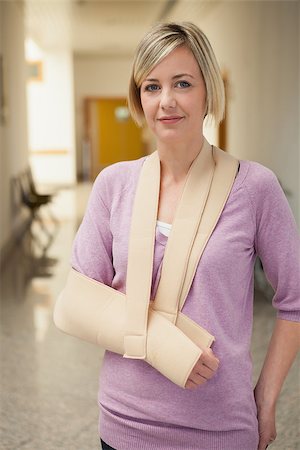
64,74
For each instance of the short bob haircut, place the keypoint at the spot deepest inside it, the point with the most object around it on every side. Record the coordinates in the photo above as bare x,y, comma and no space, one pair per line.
161,40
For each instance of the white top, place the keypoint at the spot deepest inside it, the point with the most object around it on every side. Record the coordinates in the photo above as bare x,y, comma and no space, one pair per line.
164,228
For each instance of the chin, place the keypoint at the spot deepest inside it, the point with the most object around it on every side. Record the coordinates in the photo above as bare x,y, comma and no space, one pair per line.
171,137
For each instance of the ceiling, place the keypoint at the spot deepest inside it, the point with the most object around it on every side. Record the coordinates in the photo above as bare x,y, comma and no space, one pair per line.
101,26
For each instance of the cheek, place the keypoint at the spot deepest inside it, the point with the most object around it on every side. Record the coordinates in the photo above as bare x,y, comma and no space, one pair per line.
148,107
199,106
144,105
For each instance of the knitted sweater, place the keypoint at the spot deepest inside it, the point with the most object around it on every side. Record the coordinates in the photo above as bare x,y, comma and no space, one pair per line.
140,409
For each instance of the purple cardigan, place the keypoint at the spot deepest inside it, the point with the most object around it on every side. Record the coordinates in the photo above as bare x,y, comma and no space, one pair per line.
139,408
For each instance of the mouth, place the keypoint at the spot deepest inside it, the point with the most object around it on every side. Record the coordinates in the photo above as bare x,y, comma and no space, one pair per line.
170,119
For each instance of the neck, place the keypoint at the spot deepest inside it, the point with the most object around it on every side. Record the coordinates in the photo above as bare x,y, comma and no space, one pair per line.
177,159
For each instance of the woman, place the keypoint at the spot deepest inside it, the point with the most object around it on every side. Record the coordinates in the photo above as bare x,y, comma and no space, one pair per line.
175,84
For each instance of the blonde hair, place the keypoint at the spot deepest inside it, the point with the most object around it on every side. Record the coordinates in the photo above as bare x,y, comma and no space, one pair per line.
159,42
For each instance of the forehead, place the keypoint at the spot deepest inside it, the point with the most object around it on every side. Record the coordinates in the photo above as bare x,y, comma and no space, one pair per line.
180,60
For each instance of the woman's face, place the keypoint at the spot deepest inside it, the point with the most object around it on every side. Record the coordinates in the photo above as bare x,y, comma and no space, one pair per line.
173,97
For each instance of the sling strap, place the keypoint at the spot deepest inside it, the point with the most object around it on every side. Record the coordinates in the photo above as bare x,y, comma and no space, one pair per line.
183,233
205,193
225,169
140,257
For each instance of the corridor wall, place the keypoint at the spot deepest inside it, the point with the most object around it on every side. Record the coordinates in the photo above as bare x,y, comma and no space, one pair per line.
258,45
13,126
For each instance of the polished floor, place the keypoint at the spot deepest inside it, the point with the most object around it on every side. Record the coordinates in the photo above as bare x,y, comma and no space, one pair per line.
49,381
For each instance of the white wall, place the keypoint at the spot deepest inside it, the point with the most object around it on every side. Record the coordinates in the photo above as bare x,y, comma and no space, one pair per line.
51,119
258,44
96,76
14,149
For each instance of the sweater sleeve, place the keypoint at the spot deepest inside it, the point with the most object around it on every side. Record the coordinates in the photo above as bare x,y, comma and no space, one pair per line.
277,243
92,247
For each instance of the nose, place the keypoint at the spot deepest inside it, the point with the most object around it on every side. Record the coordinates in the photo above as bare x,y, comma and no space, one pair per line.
168,100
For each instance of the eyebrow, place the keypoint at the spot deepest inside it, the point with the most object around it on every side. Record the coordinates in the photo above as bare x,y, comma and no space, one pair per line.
180,75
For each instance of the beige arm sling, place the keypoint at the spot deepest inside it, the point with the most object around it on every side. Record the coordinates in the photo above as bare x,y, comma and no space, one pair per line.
157,332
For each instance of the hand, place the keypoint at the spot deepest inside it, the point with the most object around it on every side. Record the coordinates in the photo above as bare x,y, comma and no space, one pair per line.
204,369
266,425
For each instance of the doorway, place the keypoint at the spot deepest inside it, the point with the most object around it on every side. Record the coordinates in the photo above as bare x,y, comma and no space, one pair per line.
110,135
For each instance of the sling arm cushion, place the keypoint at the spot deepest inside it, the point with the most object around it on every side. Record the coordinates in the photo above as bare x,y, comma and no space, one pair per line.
95,312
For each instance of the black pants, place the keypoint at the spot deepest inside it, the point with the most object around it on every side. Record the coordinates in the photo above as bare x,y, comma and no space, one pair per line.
106,446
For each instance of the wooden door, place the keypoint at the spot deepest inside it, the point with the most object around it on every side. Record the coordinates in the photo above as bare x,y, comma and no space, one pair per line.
113,135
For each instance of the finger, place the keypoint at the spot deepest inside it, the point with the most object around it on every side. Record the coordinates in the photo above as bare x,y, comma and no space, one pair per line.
272,439
266,439
194,381
209,359
190,384
204,371
197,378
262,445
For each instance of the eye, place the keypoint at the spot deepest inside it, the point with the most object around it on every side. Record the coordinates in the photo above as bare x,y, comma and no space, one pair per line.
151,88
183,84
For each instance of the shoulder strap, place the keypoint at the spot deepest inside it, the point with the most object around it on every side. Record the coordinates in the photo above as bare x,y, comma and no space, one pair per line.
226,167
140,257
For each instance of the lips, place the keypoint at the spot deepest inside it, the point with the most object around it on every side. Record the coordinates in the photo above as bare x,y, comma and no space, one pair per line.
170,119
